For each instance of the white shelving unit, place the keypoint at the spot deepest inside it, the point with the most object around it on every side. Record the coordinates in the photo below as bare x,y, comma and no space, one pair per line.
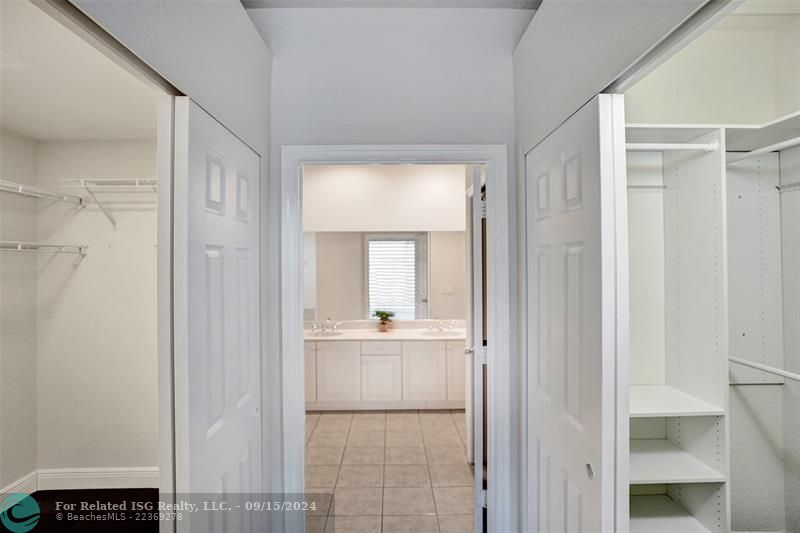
649,401
659,513
679,332
659,461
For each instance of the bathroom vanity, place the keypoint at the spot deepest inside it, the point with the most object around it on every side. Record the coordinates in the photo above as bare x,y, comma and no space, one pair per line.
399,369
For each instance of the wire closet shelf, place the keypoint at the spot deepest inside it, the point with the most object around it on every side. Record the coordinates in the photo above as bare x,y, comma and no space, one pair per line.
37,192
21,246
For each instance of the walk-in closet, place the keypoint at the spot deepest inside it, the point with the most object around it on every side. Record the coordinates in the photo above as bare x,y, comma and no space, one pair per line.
78,350
713,181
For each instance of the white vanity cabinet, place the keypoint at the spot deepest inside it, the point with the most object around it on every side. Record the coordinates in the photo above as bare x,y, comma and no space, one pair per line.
385,374
339,371
424,370
381,371
381,378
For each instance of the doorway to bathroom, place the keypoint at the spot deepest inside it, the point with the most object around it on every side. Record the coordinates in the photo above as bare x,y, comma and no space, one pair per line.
389,308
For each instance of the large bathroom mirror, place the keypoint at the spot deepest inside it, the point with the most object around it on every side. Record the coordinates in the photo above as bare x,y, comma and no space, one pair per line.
416,275
384,238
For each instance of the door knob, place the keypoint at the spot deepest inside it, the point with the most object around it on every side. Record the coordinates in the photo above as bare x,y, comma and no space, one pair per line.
469,351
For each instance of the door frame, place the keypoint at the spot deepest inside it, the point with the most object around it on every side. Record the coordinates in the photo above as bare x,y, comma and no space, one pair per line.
501,503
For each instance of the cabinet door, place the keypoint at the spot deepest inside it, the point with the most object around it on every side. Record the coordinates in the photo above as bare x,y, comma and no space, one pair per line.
339,371
311,371
456,371
380,378
424,371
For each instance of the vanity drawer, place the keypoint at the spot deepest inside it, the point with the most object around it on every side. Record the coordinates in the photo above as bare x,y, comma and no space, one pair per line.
381,347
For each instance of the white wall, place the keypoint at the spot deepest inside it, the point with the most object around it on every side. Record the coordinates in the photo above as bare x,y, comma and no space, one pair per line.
340,287
17,315
96,318
745,70
343,76
384,198
447,263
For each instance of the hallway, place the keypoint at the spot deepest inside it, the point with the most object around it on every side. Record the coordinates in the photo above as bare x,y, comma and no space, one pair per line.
390,472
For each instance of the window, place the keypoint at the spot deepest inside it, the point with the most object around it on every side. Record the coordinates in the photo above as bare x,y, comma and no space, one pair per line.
397,275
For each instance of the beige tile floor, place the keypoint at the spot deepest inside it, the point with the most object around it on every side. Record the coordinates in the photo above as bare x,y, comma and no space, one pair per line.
395,472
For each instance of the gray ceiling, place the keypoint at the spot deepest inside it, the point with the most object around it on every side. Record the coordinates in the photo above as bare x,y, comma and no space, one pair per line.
490,4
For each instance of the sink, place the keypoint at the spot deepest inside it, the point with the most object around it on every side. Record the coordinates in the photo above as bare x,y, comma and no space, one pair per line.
326,334
443,333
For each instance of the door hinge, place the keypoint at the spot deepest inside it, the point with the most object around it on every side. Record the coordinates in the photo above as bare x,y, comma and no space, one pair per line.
483,208
483,499
483,353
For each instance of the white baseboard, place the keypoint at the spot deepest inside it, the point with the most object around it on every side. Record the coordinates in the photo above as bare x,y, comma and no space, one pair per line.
24,485
98,478
86,478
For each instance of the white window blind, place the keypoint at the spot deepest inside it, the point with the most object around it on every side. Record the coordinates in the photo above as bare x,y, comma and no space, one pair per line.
392,276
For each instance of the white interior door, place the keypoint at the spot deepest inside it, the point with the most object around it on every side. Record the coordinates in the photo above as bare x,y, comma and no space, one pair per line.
216,313
475,337
469,342
576,223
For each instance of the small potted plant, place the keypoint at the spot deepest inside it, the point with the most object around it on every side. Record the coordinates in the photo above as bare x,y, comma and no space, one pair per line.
385,320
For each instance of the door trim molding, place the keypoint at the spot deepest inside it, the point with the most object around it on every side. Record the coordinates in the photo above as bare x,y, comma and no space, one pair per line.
502,420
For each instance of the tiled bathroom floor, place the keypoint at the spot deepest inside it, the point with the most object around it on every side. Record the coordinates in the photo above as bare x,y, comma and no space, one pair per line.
395,472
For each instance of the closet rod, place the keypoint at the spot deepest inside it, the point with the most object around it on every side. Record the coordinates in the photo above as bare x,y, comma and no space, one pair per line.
765,368
646,187
783,145
35,192
681,147
17,246
789,187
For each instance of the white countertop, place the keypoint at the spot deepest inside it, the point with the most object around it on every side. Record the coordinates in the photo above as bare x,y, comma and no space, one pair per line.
395,334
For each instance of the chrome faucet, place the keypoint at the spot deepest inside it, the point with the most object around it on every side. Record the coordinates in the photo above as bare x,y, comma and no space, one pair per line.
330,325
436,324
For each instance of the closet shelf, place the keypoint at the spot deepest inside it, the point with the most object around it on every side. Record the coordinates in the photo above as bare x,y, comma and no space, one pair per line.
659,513
649,401
19,246
35,192
657,461
112,185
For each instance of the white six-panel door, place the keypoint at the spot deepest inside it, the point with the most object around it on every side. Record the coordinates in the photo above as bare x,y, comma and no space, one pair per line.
575,204
216,311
